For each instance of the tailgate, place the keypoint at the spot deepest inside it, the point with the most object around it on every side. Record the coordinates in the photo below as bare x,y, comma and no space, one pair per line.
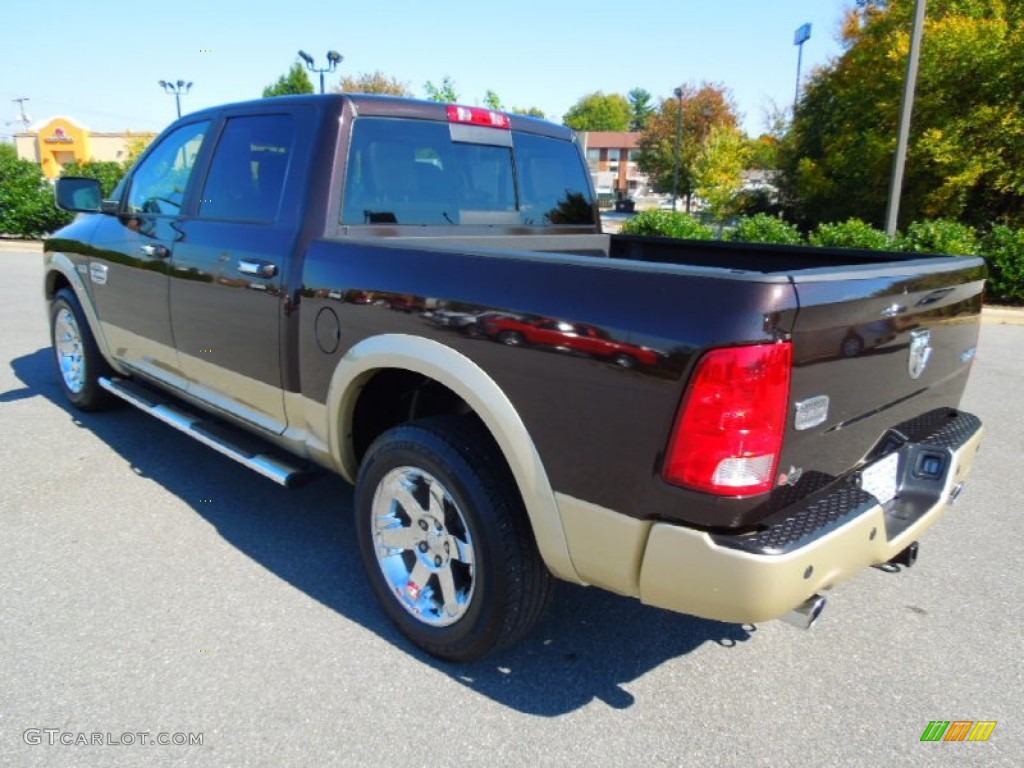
884,345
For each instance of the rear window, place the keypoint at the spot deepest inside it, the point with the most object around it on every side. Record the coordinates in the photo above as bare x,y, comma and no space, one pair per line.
412,172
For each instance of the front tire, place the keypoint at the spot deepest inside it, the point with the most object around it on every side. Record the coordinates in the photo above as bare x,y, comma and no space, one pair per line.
79,361
445,540
511,338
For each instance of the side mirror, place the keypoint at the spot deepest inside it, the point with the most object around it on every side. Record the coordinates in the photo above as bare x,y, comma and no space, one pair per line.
78,195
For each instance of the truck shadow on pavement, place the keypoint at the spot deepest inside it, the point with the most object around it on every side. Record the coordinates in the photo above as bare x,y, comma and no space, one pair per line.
590,645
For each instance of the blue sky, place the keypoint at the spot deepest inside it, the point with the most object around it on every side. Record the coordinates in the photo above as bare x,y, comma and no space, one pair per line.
99,63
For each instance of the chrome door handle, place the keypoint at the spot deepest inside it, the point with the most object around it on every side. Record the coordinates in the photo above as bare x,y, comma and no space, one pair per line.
257,268
155,251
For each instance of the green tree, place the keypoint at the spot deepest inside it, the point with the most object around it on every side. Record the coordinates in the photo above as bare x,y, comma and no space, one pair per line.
763,152
966,158
640,104
445,93
1003,248
703,108
26,198
136,146
599,112
492,101
373,82
718,169
295,81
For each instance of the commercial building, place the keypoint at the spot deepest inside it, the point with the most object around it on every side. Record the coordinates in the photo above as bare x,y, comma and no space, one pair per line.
61,141
612,156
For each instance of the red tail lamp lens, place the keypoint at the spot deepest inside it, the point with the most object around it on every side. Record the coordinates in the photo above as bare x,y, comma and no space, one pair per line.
728,434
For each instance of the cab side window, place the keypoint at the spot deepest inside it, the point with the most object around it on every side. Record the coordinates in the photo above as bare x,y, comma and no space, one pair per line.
158,184
248,171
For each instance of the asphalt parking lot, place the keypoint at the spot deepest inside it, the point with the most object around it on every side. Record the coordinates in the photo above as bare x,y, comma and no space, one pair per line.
150,587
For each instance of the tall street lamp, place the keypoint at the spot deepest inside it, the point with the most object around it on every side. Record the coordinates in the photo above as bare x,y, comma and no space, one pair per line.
177,88
679,149
906,108
801,36
333,60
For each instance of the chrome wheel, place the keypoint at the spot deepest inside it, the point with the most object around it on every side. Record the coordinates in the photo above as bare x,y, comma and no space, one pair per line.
423,546
68,345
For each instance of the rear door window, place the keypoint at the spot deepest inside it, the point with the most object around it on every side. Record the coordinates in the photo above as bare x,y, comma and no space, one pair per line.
553,182
247,173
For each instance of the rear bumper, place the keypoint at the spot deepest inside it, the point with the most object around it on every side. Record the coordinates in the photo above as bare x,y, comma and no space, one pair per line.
820,543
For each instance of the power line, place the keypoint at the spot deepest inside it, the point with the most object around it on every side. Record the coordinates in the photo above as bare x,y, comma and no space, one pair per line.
22,118
64,105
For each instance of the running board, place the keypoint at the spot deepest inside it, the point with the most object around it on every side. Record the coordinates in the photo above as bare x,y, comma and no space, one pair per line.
212,434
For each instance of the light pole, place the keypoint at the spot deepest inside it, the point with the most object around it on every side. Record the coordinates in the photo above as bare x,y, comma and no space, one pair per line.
177,88
679,150
801,36
906,107
333,60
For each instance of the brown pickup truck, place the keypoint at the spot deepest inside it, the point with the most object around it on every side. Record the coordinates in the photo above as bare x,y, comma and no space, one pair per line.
290,282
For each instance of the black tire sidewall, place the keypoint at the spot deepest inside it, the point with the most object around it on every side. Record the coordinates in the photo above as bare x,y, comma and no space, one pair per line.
480,628
624,361
511,338
91,395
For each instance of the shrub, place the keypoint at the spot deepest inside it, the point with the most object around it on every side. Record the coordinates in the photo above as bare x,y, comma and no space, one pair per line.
26,198
762,228
852,233
1003,249
940,236
106,172
667,224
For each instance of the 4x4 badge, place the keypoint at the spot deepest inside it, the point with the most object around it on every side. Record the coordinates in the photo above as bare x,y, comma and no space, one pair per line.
920,352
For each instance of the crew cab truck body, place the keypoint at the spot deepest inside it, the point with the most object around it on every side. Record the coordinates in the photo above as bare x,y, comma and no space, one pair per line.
243,284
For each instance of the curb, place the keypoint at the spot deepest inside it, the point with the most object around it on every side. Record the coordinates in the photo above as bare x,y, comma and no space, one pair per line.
1002,315
32,246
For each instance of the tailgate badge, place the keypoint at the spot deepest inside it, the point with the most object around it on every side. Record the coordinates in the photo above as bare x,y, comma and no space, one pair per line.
811,412
920,352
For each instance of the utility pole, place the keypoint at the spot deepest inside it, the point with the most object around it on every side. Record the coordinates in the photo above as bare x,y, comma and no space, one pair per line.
906,108
24,119
679,150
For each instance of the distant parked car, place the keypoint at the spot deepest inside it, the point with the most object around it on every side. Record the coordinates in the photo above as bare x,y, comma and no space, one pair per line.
569,337
450,319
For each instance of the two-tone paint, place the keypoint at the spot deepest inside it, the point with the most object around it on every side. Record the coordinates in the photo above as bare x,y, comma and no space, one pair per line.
346,310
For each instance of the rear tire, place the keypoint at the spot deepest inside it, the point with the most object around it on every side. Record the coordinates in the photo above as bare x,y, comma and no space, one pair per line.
75,353
445,539
624,361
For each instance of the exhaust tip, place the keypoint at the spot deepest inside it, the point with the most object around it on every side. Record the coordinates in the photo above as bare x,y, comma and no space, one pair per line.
806,615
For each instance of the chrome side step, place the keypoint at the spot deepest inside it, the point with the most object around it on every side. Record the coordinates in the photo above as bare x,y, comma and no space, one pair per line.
205,432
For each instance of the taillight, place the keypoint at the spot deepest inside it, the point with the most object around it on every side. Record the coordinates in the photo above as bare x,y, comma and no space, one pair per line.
728,433
478,116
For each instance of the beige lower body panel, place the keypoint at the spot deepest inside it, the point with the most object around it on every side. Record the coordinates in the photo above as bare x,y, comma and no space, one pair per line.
685,570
